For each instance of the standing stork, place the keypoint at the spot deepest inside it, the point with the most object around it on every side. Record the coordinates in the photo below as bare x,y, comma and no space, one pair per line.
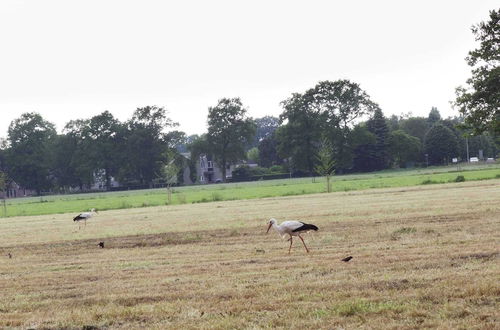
292,228
84,216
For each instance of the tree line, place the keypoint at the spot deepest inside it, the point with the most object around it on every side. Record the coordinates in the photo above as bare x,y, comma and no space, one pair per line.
135,152
334,125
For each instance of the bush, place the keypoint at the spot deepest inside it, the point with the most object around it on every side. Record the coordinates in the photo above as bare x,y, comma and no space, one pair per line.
241,173
460,178
277,169
258,171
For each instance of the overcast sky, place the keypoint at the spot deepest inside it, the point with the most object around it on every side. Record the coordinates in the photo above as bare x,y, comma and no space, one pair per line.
74,59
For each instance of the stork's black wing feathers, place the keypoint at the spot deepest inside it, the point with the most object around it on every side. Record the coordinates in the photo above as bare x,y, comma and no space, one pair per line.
305,227
78,217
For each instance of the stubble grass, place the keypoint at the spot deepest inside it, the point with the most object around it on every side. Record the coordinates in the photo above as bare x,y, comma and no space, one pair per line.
423,257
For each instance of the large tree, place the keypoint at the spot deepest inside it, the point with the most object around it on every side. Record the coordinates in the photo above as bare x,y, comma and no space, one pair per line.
415,126
441,144
72,155
268,153
362,141
479,102
341,104
29,156
147,143
377,125
403,148
434,116
265,126
329,110
230,130
299,136
102,137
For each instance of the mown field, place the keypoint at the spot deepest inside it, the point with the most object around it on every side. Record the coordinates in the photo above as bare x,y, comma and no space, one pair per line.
423,257
246,190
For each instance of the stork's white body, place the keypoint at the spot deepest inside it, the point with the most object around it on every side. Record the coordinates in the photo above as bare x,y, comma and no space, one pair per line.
291,228
287,228
84,216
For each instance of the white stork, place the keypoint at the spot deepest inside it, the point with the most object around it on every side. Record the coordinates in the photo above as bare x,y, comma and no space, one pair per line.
292,228
84,216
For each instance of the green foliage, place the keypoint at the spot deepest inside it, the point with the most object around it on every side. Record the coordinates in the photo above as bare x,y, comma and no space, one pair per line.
277,169
362,142
229,131
404,148
328,110
265,127
268,152
3,179
325,165
434,116
29,156
253,155
379,156
101,138
245,172
415,126
340,104
440,144
147,144
479,102
460,178
297,138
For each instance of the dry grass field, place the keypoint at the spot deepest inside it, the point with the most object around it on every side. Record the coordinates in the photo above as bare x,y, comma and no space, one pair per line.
424,257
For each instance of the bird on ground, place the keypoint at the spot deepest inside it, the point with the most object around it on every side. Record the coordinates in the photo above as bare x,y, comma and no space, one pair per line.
291,228
9,255
84,217
347,259
101,245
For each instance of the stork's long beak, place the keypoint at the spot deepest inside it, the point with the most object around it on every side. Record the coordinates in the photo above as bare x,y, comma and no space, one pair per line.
270,225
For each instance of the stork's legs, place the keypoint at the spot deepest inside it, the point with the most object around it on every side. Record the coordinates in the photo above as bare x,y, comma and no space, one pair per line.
291,241
303,243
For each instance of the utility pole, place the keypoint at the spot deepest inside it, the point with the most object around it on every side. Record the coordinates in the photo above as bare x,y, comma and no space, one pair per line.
467,146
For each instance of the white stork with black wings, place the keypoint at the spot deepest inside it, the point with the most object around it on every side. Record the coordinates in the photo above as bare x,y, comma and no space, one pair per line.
291,228
84,216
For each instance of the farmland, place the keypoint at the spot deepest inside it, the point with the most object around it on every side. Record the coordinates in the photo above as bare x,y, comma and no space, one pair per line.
246,190
423,257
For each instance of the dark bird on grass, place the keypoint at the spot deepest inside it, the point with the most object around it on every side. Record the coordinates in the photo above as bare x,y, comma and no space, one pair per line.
101,245
84,217
347,259
291,228
9,255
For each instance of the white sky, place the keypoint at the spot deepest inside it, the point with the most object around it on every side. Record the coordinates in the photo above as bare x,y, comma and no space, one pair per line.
74,59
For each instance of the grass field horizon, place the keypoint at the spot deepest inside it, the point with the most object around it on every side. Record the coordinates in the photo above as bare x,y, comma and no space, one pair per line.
245,190
424,257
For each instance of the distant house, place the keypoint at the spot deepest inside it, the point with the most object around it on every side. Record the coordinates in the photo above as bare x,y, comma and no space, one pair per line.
100,182
14,190
208,171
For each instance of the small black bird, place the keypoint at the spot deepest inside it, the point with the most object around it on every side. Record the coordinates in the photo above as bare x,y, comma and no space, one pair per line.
10,255
101,245
347,259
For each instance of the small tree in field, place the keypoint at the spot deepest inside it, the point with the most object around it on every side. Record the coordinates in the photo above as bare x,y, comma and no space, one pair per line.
170,171
2,188
325,166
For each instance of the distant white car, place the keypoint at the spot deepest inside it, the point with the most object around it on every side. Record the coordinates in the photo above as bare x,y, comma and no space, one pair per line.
474,159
